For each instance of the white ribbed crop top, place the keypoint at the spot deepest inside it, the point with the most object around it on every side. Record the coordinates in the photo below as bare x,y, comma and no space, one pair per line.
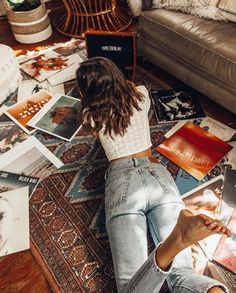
137,136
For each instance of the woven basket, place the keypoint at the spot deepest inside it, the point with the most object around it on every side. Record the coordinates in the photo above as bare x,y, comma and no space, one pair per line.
2,7
30,26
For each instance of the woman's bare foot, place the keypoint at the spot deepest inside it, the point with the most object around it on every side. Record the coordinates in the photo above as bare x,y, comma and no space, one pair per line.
191,228
188,230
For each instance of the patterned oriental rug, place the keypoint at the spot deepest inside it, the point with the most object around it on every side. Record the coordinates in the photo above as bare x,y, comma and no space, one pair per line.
67,219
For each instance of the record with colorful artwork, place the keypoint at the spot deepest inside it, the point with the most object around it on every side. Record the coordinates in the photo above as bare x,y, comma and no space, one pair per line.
194,149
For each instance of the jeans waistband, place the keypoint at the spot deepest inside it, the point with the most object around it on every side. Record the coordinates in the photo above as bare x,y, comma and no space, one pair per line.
132,162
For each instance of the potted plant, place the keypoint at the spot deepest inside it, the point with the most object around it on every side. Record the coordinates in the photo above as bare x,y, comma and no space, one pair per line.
29,20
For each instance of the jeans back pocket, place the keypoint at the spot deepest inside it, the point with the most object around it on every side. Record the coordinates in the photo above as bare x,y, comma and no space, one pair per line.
116,190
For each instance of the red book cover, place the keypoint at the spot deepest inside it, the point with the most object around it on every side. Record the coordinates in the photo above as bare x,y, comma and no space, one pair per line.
225,253
194,149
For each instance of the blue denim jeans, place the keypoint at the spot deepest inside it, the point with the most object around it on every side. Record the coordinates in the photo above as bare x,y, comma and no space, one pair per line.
141,194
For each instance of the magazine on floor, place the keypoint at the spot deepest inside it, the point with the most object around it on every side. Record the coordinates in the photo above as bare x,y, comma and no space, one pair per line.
225,253
215,127
29,87
11,181
194,149
45,65
205,199
21,113
59,117
228,199
14,211
172,105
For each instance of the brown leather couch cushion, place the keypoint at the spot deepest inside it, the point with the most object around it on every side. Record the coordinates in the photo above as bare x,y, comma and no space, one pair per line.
209,48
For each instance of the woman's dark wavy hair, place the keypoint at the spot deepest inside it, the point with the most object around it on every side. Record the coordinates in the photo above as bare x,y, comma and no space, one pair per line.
108,99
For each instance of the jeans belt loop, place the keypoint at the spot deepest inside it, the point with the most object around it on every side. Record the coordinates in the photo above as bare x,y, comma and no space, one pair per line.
135,162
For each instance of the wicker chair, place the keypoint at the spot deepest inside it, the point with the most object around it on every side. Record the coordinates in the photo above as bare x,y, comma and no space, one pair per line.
86,15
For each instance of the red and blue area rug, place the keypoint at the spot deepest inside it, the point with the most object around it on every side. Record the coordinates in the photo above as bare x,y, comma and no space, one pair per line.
67,219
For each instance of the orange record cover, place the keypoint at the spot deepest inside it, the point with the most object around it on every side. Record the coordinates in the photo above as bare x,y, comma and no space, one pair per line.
194,149
225,253
21,113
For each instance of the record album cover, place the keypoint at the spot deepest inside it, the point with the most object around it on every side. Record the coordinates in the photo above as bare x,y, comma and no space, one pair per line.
11,181
14,220
194,149
45,65
21,113
205,199
215,127
175,105
59,117
225,253
228,200
10,134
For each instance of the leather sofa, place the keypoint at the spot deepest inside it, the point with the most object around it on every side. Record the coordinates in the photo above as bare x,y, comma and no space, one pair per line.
199,52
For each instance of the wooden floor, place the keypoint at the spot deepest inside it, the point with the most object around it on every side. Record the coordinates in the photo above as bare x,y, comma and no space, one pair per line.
19,272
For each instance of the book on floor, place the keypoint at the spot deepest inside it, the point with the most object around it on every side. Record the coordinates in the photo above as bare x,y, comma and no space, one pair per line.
59,117
225,253
172,105
45,65
11,181
194,149
14,212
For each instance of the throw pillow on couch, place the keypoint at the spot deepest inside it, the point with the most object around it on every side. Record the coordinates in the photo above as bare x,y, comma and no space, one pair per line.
201,8
223,10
